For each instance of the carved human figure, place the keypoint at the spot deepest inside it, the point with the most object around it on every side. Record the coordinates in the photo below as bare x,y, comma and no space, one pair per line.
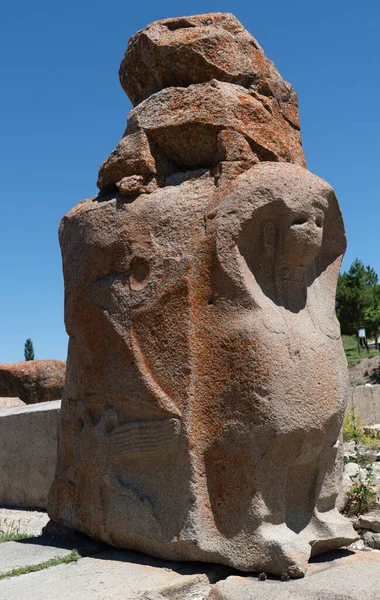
206,380
279,240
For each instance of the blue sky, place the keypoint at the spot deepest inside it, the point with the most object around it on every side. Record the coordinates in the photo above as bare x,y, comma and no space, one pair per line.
62,111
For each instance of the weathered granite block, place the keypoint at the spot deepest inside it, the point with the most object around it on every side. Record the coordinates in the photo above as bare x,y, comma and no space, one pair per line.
28,453
206,379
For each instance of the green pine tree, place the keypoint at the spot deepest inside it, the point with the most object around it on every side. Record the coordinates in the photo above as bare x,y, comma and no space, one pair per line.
358,299
29,350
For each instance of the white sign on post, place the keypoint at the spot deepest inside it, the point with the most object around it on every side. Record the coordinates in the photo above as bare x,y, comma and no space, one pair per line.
361,332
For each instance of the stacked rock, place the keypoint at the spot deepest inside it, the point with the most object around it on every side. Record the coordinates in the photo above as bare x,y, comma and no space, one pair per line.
205,96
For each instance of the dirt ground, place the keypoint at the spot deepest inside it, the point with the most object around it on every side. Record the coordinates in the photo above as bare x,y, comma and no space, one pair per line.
365,371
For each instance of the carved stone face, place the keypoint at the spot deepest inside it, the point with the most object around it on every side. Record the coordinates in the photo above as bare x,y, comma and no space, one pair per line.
276,233
301,234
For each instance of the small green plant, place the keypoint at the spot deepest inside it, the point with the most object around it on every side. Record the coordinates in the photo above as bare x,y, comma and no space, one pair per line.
53,562
10,531
352,426
29,350
361,495
353,430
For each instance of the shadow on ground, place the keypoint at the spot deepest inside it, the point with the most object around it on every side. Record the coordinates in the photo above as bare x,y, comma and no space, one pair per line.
87,547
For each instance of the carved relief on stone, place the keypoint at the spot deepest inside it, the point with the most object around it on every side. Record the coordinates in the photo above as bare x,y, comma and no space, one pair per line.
206,361
206,380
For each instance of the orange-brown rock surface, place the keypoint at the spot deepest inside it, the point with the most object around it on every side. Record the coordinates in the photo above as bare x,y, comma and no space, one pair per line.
33,381
192,79
180,52
206,379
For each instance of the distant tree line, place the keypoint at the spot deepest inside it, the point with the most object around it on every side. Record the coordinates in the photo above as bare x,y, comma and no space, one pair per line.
358,300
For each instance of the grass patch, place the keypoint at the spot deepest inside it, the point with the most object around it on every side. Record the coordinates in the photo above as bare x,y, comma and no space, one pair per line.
10,532
350,345
53,562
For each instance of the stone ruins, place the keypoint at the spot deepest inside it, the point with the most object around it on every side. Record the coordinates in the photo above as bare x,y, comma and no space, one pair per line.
32,381
206,380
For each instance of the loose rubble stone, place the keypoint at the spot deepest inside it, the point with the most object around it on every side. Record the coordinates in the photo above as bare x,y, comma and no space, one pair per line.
131,157
372,540
351,473
136,185
358,545
33,381
369,520
206,378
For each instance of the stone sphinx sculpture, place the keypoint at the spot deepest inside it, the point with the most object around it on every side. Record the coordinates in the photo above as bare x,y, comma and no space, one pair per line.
206,379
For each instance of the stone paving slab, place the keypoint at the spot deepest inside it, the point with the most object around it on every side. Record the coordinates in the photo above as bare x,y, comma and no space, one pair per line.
354,576
21,554
111,575
123,575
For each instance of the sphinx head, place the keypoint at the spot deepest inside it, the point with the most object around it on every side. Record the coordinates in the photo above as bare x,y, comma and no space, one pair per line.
293,234
278,223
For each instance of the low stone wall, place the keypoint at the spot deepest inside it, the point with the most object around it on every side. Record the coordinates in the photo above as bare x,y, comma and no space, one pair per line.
366,401
28,453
